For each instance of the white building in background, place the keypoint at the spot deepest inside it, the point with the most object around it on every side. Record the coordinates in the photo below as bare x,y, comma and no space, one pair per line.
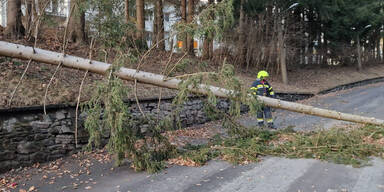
170,18
3,13
62,10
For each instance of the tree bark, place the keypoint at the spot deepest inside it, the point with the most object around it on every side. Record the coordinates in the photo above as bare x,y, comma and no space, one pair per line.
190,38
282,51
378,53
359,62
55,6
208,40
160,25
242,35
35,8
76,25
155,29
140,22
206,53
183,10
382,48
28,15
44,56
15,28
126,7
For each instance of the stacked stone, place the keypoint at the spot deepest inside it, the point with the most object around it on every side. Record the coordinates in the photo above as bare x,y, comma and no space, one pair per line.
30,137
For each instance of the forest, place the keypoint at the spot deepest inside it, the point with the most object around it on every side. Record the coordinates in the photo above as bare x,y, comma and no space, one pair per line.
259,34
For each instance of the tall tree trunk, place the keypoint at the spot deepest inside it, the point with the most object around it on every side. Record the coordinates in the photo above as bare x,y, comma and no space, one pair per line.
359,62
378,55
28,15
15,28
242,35
35,8
155,29
282,51
325,53
208,40
55,6
183,10
140,22
206,48
160,25
76,25
382,48
127,11
190,38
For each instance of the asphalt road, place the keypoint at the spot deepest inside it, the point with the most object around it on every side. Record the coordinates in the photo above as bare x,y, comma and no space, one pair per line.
270,175
366,101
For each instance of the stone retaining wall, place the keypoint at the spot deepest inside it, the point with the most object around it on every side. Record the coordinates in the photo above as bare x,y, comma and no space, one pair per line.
28,137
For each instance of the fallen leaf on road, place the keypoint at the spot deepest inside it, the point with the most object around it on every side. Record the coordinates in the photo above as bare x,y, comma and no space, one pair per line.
88,187
32,188
183,162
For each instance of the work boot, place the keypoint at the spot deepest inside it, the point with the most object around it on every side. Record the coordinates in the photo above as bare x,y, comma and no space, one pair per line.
260,124
271,126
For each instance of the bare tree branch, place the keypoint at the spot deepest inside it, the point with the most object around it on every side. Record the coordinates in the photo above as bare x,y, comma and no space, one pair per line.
18,84
79,96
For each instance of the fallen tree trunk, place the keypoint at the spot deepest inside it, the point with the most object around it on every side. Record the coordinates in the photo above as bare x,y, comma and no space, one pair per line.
44,56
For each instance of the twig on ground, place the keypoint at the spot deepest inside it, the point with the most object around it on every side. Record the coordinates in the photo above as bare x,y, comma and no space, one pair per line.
49,84
18,84
66,28
137,100
161,90
61,63
79,96
158,103
174,67
149,50
37,21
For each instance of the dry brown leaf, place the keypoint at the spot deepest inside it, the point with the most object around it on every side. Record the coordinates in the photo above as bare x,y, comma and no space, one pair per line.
88,187
32,188
183,162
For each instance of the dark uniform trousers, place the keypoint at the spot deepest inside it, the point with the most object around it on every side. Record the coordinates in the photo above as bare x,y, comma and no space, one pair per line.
264,113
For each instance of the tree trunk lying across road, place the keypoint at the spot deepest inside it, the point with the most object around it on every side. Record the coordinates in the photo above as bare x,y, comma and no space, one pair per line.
44,56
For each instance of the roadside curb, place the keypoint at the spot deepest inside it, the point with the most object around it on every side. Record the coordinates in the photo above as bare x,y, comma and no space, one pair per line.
352,85
301,96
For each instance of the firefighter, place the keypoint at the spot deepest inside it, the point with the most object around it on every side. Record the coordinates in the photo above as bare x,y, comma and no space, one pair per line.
263,88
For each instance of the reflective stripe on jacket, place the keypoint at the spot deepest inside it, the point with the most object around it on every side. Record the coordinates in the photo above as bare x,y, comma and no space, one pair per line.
263,88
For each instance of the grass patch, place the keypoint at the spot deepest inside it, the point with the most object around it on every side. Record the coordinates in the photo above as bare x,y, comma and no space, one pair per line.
338,145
